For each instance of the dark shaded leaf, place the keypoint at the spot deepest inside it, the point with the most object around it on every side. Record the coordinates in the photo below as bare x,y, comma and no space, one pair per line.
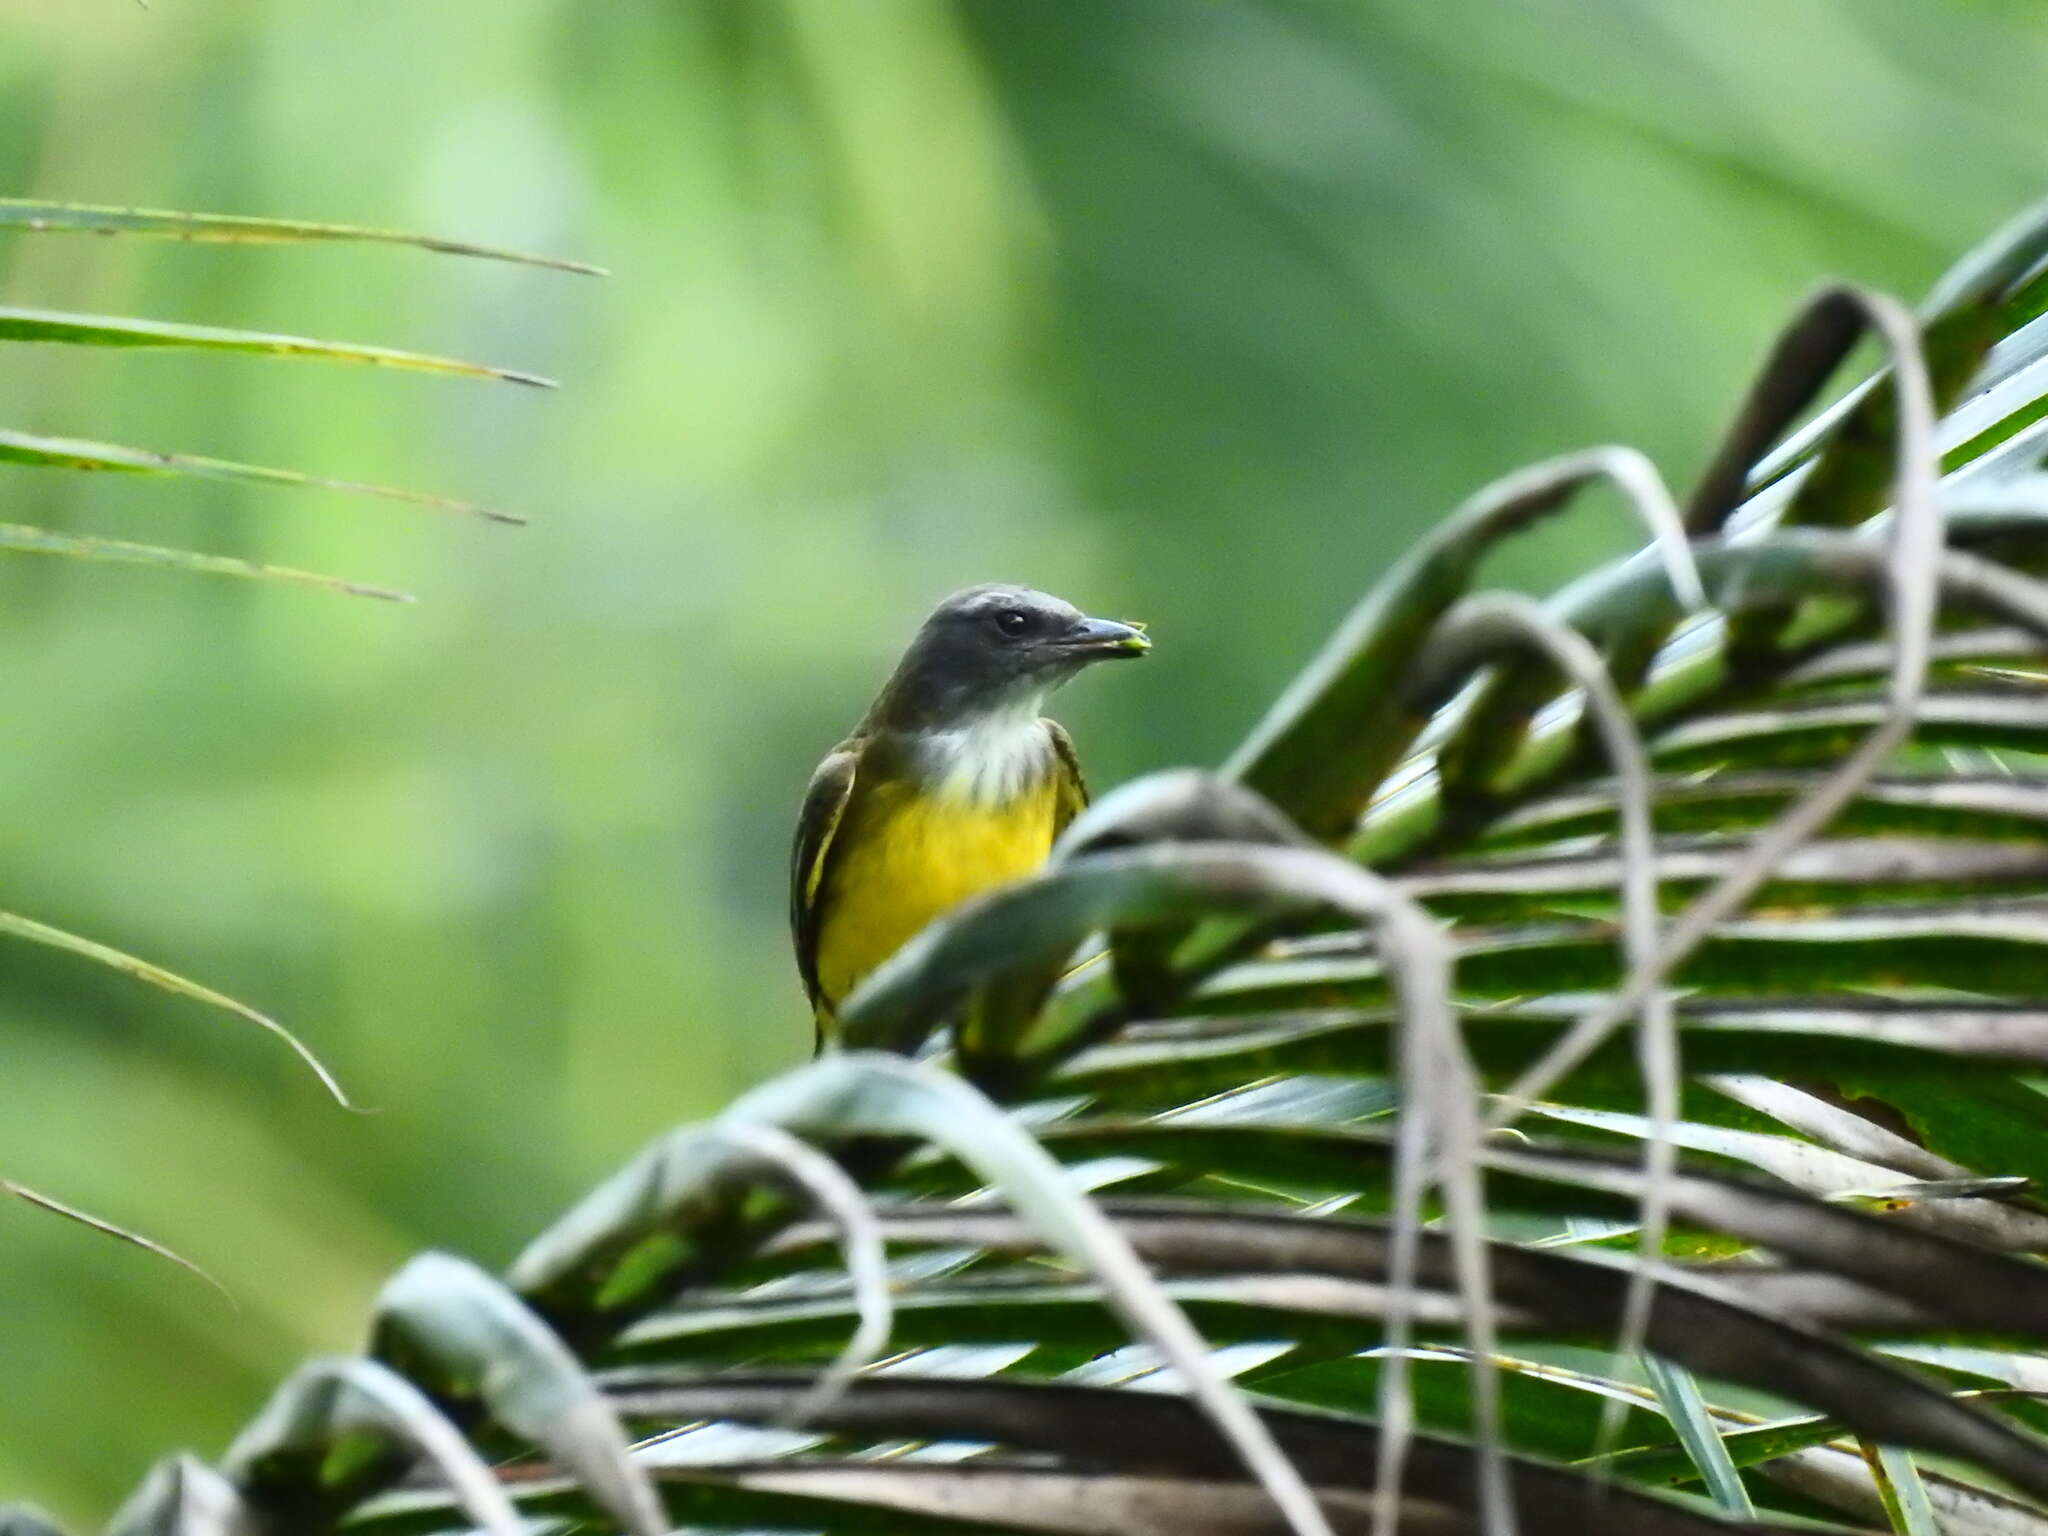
1962,805
1689,1322
285,1459
25,1520
1155,1432
182,1496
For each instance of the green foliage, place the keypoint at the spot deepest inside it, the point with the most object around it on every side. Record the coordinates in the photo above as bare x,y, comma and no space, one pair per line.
31,325
1262,1223
74,453
1203,311
18,324
63,328
236,229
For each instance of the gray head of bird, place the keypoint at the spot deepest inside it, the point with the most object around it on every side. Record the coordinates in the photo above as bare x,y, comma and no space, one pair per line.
994,649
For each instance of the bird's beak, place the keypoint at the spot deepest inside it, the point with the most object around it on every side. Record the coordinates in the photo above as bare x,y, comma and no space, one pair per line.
1100,639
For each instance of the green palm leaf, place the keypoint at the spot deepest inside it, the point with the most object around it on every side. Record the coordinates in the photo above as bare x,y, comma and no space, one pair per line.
79,546
36,215
76,453
33,932
1267,1107
46,325
105,1228
22,324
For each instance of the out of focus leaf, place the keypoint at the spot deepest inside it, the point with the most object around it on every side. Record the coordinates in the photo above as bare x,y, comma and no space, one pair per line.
48,325
75,453
100,1224
29,214
1344,721
468,1334
77,546
182,1496
15,926
293,1441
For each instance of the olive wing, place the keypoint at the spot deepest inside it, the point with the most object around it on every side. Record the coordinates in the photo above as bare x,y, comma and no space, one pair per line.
1070,793
824,807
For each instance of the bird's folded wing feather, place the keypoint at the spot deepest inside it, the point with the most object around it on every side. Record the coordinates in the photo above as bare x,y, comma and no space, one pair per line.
824,805
1071,794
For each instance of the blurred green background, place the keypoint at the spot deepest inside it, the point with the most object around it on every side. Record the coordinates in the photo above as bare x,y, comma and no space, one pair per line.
1189,310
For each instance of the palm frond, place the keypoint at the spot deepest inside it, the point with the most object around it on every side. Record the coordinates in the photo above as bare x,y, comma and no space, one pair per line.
1239,1252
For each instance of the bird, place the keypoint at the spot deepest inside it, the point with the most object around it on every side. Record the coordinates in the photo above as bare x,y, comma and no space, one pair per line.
952,782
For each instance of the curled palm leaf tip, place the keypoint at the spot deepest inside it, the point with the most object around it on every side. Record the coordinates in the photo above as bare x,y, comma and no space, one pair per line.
952,782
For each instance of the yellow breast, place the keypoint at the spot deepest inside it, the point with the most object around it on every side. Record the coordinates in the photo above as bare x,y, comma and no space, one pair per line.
904,855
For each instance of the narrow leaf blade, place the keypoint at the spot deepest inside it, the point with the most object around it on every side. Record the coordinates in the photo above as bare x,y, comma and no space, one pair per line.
35,214
80,453
1679,1396
27,928
80,546
100,1224
47,325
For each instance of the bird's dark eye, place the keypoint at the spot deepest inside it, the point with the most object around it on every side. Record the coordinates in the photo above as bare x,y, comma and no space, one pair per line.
1013,622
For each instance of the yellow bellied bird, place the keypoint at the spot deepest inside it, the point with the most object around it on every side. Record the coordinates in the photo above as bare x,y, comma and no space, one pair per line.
951,783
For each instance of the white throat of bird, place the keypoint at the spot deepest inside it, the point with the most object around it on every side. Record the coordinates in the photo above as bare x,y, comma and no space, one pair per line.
991,759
